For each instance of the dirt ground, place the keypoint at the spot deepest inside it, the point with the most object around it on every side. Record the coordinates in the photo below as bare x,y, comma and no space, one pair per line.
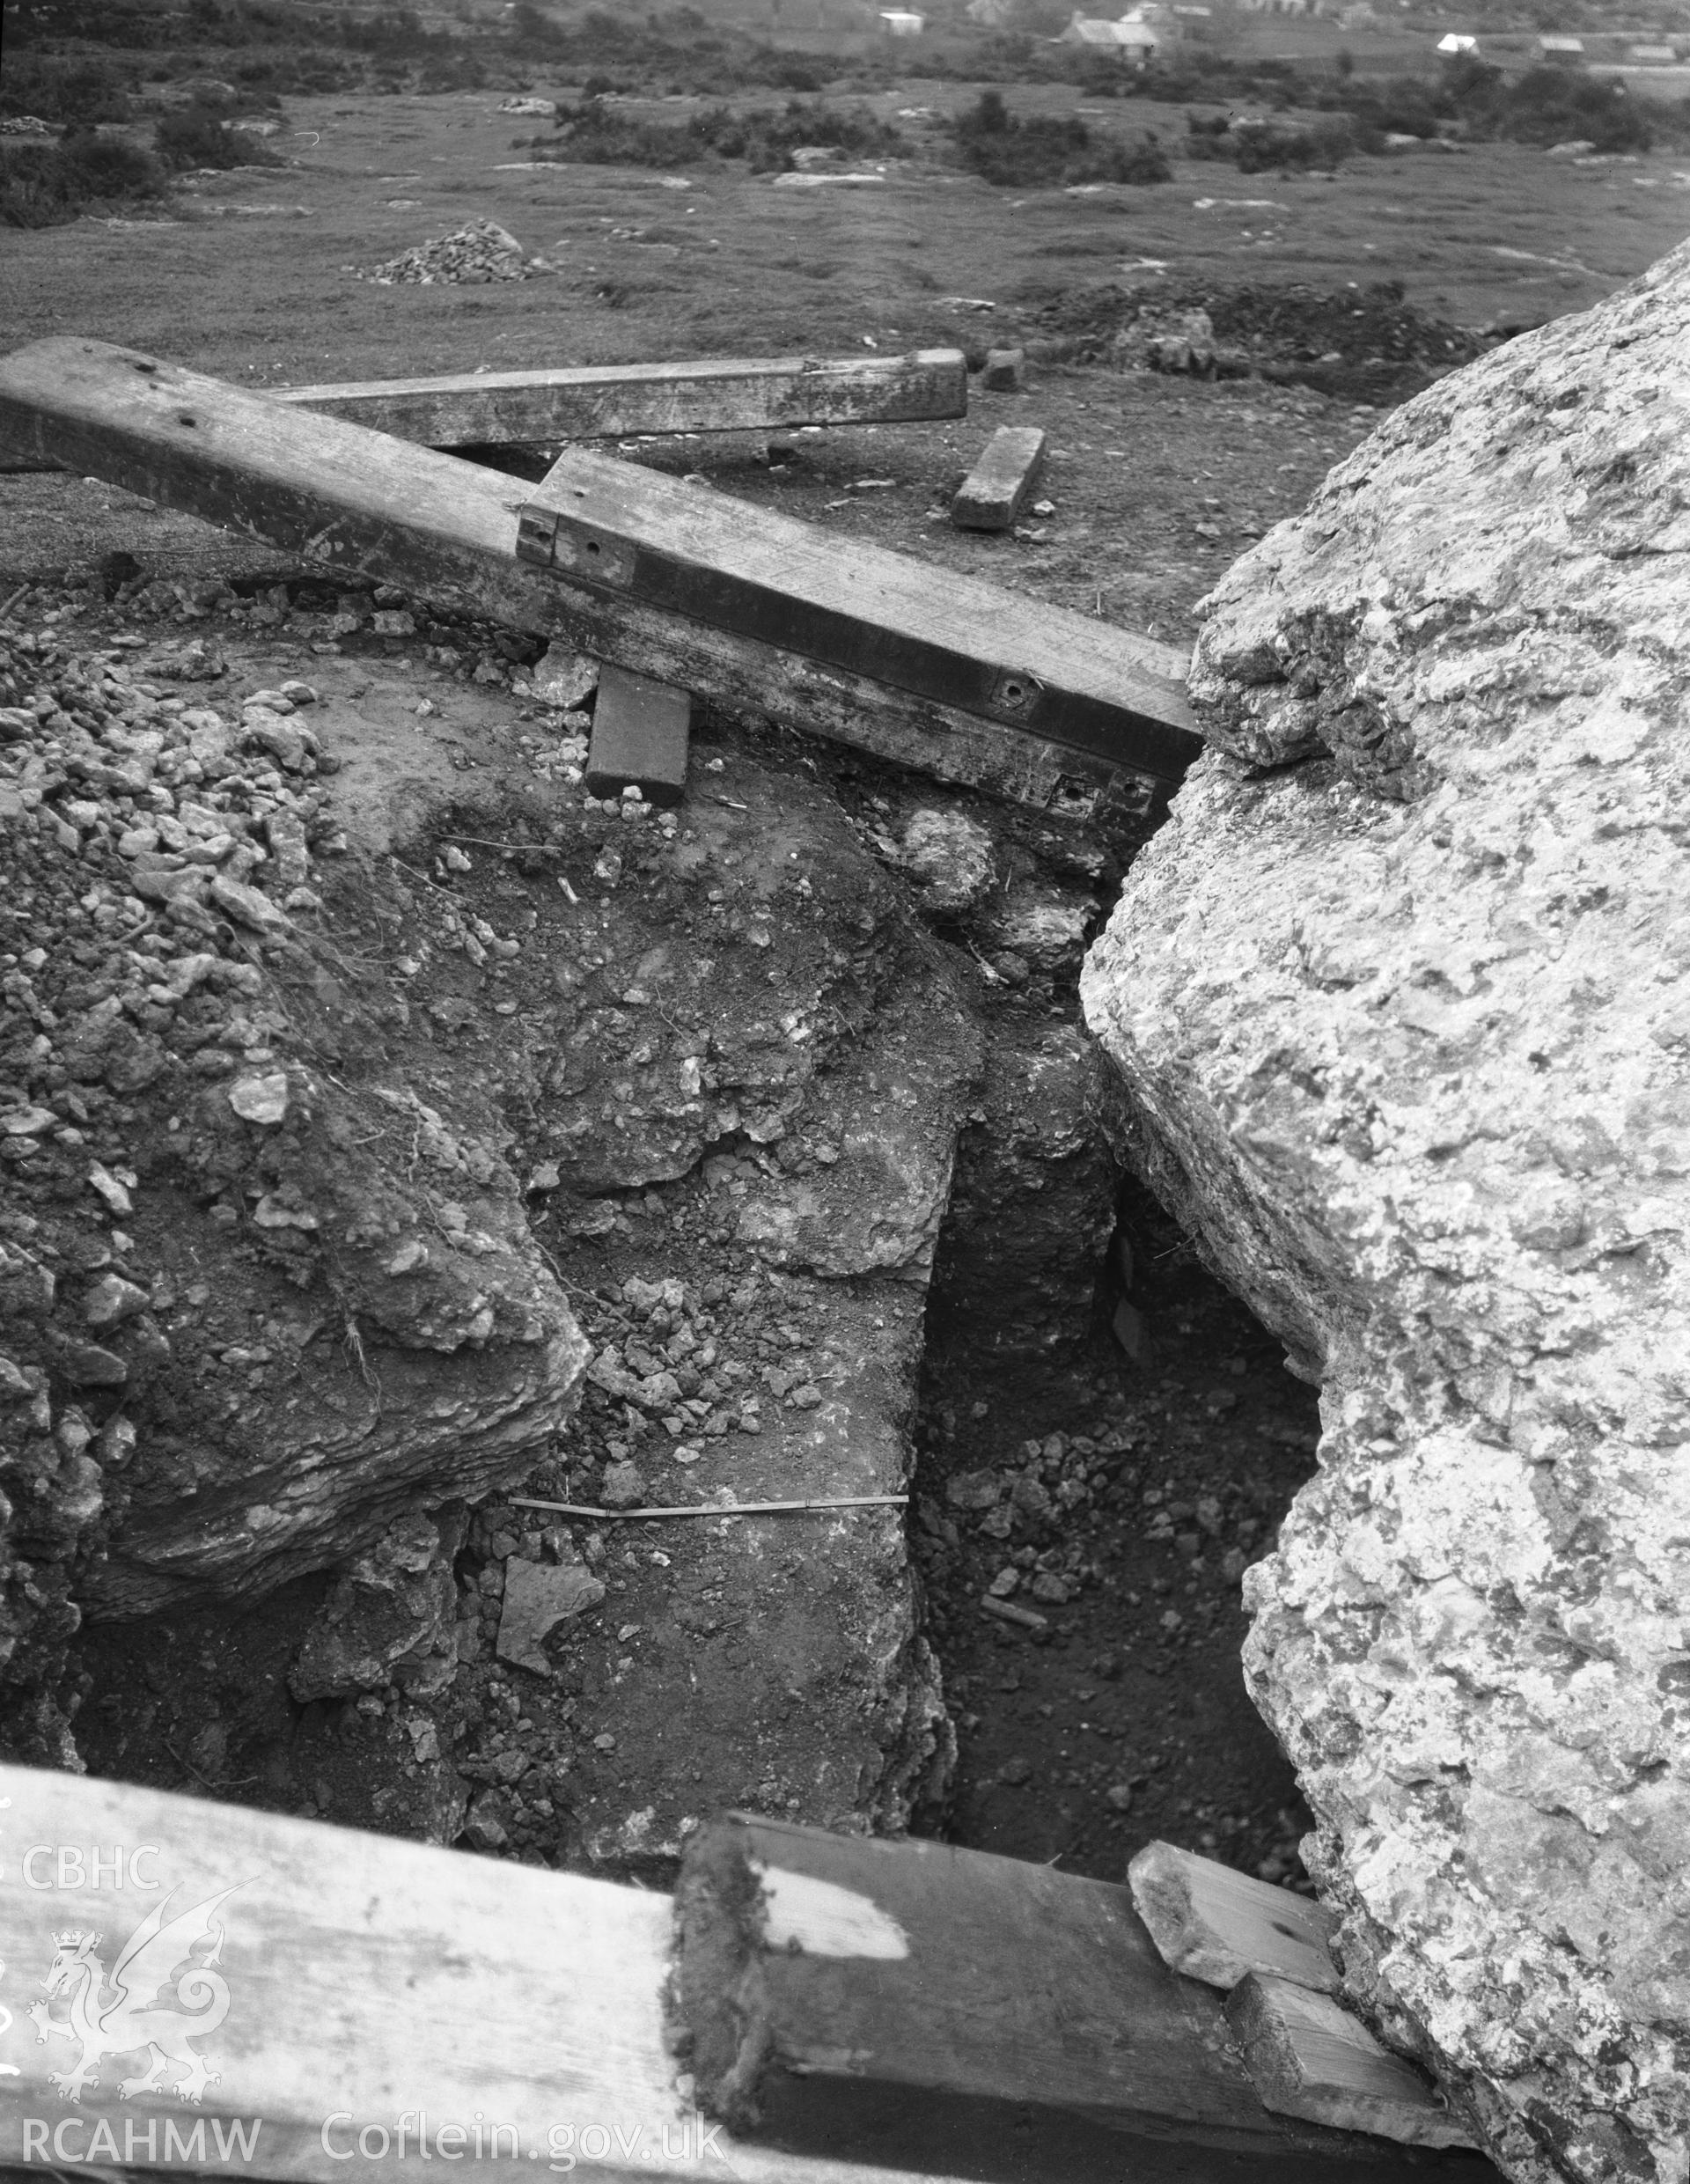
1119,1714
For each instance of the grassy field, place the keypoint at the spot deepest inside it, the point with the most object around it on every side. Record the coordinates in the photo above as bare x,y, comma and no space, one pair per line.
732,264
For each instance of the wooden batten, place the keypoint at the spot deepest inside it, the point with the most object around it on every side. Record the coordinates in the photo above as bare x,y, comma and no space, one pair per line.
616,402
1217,1925
1049,707
1310,2057
993,495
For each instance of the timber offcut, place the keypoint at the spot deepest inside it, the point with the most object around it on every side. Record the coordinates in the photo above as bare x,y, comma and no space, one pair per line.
752,613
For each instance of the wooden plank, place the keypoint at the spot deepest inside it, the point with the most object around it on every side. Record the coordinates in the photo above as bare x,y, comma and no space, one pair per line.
894,1998
614,402
640,734
636,534
1001,482
1218,1925
443,530
1310,2058
347,1985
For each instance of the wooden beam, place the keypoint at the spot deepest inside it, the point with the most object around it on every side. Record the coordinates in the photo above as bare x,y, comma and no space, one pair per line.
1310,2058
1001,482
919,2004
638,536
615,402
640,738
347,1985
1102,722
1217,1925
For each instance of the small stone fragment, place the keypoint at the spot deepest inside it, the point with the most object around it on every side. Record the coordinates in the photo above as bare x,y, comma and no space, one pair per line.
249,905
538,1597
198,660
623,1487
950,857
112,1300
27,1121
564,679
261,1098
85,1365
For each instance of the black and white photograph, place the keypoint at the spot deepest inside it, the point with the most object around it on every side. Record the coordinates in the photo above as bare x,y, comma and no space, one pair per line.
845,1091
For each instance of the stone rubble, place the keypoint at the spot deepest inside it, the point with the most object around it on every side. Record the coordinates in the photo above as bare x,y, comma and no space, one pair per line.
184,1130
1398,1001
479,251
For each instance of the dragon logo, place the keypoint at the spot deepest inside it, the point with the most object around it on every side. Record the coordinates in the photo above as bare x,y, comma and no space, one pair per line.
128,2013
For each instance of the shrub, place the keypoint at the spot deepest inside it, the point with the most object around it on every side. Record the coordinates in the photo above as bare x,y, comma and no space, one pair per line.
199,136
71,92
1048,149
1549,106
765,138
47,185
1324,144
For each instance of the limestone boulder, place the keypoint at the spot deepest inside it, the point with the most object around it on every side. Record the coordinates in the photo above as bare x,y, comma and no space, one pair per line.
1399,1003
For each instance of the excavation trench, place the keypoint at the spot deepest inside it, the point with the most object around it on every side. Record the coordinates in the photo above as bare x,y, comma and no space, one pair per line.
306,1587
715,1157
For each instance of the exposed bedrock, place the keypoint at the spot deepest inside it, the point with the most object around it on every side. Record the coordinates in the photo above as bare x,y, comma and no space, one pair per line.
1403,1027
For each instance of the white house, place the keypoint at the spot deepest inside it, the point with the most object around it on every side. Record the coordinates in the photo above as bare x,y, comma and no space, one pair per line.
1458,41
1132,38
1562,49
1653,57
900,23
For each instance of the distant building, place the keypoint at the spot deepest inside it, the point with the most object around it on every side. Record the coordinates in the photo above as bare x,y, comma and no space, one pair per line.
1132,38
900,23
1653,57
1567,52
1458,41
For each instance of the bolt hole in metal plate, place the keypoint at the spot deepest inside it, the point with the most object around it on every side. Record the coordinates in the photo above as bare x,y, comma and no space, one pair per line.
1015,696
598,555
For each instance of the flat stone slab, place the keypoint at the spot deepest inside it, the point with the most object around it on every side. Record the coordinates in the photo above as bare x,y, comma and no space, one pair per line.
538,1597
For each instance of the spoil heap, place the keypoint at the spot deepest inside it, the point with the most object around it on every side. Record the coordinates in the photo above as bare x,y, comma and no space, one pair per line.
1399,1000
481,250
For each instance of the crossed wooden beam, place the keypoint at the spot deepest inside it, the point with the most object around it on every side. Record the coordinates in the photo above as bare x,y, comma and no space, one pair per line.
748,610
201,1987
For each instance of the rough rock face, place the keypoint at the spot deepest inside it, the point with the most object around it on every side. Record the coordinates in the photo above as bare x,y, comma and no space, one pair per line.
1399,997
1032,1203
